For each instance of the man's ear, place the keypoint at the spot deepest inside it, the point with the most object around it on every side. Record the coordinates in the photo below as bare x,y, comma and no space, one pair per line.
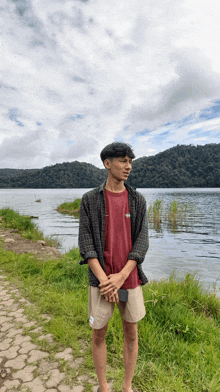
107,163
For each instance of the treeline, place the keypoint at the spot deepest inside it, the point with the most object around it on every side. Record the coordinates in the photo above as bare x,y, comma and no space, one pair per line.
178,167
62,175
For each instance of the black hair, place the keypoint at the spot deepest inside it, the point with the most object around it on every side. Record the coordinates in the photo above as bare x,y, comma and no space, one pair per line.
116,150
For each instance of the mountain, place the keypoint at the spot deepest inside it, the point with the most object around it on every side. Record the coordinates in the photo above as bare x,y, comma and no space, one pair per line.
62,175
178,167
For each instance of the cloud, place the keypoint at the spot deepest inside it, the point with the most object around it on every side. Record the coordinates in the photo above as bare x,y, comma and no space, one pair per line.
23,151
193,85
79,75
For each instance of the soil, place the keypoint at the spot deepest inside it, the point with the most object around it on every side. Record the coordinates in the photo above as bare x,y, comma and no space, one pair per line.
13,241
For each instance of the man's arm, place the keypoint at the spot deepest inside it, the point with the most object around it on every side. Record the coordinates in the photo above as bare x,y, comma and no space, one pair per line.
86,245
97,270
141,237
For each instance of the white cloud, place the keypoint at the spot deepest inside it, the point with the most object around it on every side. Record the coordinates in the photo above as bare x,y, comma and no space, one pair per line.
200,139
123,67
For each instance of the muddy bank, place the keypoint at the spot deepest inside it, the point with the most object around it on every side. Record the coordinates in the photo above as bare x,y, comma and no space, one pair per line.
12,240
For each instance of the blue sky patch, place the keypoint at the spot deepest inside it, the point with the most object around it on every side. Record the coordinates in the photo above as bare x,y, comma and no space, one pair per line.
212,112
76,117
13,115
144,132
161,137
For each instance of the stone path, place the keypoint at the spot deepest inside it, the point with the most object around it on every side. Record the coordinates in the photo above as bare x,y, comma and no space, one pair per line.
24,366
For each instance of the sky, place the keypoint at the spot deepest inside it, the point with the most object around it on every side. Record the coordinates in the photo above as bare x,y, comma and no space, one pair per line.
77,75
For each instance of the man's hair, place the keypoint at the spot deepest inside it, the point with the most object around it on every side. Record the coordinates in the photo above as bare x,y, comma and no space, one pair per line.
116,150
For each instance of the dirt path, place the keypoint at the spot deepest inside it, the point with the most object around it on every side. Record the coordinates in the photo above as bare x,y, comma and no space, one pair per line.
13,241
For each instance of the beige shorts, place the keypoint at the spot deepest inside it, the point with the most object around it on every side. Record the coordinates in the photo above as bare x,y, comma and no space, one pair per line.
100,311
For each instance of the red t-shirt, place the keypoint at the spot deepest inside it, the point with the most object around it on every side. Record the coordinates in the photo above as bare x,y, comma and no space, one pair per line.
118,243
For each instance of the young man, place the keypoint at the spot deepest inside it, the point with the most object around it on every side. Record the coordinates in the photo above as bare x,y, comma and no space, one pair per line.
113,240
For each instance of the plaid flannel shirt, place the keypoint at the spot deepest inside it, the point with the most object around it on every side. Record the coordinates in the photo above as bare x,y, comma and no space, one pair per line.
92,229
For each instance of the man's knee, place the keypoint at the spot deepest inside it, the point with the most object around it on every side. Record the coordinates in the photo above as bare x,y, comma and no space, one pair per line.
99,335
130,331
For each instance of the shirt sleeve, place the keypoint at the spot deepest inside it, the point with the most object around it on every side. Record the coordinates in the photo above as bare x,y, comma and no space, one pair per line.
86,243
141,237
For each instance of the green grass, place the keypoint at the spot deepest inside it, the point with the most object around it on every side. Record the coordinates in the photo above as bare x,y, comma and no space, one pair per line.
58,288
179,338
24,225
71,208
155,214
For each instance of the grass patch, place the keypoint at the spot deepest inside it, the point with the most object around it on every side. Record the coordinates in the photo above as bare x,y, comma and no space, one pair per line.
71,208
24,225
179,339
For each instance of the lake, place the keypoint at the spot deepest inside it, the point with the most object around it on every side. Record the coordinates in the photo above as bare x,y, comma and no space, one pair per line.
192,247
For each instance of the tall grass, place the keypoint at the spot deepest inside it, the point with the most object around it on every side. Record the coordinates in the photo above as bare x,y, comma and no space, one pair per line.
177,213
155,214
179,340
173,216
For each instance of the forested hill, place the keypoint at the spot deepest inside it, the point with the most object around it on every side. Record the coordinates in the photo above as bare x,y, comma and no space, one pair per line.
62,175
179,167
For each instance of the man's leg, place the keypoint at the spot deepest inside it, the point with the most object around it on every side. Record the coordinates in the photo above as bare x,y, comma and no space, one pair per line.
99,353
130,352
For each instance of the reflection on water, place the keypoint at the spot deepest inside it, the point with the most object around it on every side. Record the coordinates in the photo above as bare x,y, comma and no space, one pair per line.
191,244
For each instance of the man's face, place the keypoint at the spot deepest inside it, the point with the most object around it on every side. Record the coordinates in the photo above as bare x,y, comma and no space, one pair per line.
119,168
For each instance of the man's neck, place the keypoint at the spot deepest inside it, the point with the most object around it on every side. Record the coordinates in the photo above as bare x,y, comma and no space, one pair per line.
115,186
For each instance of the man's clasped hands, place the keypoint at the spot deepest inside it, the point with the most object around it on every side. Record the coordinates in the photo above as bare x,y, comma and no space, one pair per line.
109,287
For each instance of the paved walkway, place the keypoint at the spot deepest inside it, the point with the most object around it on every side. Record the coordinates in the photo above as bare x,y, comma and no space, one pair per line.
23,365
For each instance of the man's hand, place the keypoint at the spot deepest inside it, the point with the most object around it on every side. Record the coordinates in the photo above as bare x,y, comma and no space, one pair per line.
111,286
113,298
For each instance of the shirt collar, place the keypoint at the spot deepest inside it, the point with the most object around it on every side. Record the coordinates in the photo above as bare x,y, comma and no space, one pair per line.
130,190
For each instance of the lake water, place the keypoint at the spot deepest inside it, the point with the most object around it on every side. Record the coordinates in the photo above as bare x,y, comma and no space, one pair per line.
194,247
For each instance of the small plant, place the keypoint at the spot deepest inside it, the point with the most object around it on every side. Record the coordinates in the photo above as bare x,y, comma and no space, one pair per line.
173,214
155,214
177,215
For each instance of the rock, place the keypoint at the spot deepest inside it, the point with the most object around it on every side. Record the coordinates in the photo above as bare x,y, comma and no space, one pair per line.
54,250
9,240
41,242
